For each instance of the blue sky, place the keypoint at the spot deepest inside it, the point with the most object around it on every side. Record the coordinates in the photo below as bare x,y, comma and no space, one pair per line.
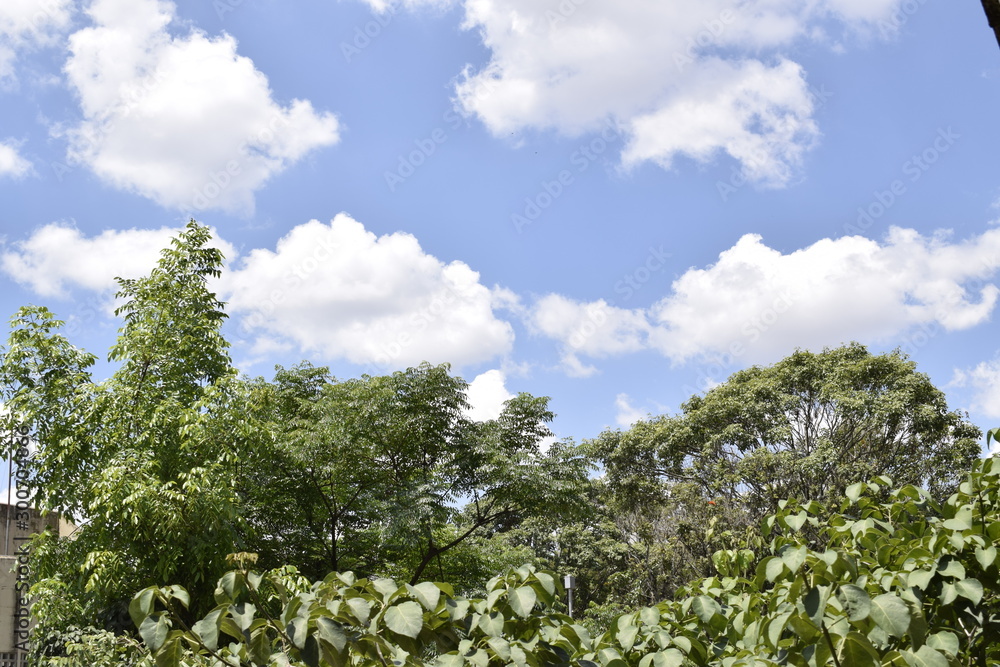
614,203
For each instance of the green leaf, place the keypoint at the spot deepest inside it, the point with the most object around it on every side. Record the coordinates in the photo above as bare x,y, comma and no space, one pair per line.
970,589
853,492
141,605
492,624
427,593
920,578
856,602
650,615
944,641
331,632
154,630
986,557
626,636
705,608
891,614
406,618
207,629
522,600
856,650
361,608
171,654
925,657
775,568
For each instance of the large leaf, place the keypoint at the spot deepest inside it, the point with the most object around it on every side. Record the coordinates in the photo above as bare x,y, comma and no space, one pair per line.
891,614
857,604
427,593
705,608
522,600
925,657
154,630
207,629
405,618
856,650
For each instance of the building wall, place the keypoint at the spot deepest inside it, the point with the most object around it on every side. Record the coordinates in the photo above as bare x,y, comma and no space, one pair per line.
17,525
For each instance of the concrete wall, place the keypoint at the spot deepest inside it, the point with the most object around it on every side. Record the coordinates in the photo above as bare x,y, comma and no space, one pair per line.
17,525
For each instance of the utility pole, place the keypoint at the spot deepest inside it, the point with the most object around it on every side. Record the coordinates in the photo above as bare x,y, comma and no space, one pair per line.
570,583
992,9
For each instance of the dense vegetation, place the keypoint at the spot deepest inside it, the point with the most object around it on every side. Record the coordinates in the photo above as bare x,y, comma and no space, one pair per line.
176,461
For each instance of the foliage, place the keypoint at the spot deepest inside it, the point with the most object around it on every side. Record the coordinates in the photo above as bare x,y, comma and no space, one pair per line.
386,474
804,428
89,647
146,457
891,577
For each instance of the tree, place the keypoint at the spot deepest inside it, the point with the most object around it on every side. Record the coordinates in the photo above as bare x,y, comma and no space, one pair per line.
803,428
892,578
386,475
144,460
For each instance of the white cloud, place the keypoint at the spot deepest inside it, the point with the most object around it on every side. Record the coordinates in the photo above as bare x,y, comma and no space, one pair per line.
393,5
339,290
985,379
185,121
693,79
486,395
11,162
757,304
27,24
593,329
58,257
627,413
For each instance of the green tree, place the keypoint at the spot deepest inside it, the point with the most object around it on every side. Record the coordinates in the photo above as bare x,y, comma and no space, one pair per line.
144,460
890,577
804,428
387,475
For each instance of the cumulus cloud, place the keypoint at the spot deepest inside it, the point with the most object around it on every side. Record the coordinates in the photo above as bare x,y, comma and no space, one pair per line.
185,121
27,24
627,413
985,380
594,329
486,395
757,304
57,257
680,78
11,162
341,291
